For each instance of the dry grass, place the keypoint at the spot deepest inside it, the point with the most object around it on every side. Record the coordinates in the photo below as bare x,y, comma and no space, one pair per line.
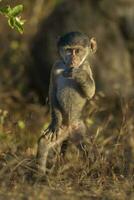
104,169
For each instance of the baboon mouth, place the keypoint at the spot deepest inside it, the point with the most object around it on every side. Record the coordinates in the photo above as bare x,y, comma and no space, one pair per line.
74,62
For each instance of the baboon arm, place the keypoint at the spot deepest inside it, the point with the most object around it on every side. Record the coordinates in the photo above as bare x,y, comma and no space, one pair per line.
88,87
56,116
86,82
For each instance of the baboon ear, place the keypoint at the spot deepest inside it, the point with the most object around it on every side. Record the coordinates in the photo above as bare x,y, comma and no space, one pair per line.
93,45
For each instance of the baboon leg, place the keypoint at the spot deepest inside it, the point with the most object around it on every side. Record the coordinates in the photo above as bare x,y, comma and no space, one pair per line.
44,146
78,132
78,135
42,154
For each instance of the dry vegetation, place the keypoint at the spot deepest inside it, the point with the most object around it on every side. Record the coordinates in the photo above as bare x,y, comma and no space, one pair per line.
104,169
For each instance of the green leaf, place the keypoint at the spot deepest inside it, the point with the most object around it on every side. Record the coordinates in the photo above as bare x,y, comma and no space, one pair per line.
5,10
20,21
11,22
14,21
16,10
19,24
19,28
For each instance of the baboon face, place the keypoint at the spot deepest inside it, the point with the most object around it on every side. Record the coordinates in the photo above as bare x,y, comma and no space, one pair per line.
74,48
74,56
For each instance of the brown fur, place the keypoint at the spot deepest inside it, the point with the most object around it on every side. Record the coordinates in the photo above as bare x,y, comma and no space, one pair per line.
70,89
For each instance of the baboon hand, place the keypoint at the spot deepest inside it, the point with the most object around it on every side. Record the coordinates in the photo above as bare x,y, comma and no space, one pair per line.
51,134
79,74
68,72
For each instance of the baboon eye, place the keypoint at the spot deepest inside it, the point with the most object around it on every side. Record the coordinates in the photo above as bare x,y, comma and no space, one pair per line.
68,50
77,51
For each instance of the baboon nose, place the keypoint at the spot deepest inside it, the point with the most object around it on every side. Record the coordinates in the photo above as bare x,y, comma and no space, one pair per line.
73,52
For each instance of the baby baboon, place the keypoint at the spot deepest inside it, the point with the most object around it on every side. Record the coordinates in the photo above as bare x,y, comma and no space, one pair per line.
71,86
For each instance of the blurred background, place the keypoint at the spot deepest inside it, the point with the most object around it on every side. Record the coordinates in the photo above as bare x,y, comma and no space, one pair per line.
26,60
25,63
